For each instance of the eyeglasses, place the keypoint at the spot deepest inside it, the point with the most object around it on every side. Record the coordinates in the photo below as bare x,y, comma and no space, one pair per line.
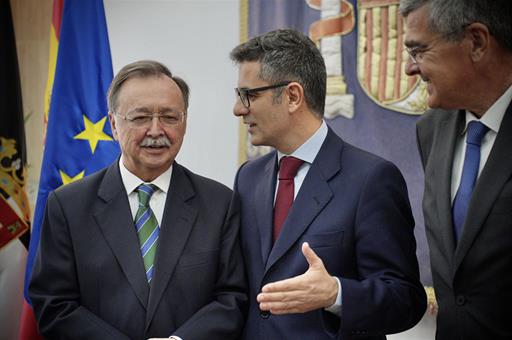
418,52
142,118
244,93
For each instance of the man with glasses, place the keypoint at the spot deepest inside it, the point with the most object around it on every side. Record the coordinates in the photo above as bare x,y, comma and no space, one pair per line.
144,248
462,50
327,230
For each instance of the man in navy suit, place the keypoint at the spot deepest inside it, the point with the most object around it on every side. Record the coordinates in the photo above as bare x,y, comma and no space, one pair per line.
106,271
343,262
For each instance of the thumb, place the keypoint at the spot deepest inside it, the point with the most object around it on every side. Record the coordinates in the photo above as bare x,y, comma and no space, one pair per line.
310,255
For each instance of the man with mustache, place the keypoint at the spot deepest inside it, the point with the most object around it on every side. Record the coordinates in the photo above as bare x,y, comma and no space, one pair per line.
144,248
462,50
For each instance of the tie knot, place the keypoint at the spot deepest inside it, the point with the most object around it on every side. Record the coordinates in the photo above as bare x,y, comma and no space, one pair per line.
476,131
144,192
288,167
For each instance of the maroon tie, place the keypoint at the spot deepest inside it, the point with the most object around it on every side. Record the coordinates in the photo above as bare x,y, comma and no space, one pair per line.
284,199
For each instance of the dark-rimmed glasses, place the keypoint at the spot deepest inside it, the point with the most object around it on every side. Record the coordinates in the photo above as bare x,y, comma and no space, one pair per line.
244,93
144,119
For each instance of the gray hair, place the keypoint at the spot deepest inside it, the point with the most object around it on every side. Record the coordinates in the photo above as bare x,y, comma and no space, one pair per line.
288,55
143,69
450,17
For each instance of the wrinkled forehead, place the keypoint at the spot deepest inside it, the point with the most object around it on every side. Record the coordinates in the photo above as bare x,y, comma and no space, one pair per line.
151,92
417,28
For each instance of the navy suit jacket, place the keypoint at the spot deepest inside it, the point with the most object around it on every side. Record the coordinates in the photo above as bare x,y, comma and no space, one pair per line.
473,278
354,211
89,280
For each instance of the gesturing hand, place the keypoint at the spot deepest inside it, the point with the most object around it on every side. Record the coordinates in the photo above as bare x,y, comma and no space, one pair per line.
312,290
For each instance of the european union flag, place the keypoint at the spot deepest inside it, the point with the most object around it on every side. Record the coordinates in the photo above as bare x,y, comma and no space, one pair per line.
78,139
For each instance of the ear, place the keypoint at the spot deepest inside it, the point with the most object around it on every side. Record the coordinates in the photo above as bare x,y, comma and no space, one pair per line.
480,37
112,121
185,123
295,96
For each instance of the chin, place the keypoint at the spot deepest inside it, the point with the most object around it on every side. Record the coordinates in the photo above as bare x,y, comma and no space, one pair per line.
255,141
433,102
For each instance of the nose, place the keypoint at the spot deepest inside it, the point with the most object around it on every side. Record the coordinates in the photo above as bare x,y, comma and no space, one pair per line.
155,129
239,109
411,68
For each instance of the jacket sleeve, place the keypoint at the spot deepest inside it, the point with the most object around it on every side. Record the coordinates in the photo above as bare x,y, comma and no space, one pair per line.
54,289
224,317
387,297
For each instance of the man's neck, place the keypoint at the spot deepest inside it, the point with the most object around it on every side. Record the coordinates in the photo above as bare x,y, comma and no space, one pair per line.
492,84
299,133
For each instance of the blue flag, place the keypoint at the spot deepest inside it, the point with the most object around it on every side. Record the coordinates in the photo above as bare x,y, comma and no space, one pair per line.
78,139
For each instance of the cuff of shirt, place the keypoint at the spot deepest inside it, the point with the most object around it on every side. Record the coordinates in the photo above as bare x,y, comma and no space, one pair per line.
335,308
175,337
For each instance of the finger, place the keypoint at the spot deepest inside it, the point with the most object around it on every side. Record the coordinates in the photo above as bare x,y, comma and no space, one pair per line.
291,284
280,306
270,297
286,311
274,306
310,255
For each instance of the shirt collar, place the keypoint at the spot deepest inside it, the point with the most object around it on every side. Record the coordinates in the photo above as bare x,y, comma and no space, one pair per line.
131,181
494,115
308,151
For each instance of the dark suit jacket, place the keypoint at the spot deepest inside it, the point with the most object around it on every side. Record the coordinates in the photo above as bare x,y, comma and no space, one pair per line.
353,210
89,280
473,281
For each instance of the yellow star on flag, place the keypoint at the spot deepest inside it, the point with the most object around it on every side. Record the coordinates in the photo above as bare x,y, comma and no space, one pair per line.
66,179
93,132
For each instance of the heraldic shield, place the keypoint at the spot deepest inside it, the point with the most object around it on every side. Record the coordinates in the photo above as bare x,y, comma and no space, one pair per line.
381,58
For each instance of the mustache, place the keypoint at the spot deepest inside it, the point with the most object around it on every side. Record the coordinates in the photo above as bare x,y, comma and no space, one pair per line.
156,142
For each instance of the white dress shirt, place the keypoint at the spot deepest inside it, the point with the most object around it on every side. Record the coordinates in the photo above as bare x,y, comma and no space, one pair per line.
492,119
157,201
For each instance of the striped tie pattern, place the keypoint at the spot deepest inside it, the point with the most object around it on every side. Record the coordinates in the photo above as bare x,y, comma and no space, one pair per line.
147,227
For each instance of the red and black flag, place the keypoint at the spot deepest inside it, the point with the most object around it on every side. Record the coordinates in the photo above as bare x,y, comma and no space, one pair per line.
14,205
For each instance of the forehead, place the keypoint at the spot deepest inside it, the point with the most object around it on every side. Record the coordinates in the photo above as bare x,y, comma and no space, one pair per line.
249,74
417,27
153,91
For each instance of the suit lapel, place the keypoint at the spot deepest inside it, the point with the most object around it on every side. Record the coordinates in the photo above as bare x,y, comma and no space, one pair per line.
495,174
311,199
445,146
116,224
264,203
177,222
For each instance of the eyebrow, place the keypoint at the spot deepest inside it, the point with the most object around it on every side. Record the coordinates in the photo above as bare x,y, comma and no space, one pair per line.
147,110
414,44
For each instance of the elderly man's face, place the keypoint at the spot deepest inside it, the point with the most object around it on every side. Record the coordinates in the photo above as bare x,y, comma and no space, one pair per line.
148,149
443,65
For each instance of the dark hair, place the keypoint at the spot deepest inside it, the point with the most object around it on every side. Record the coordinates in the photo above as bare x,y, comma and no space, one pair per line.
143,69
450,17
288,55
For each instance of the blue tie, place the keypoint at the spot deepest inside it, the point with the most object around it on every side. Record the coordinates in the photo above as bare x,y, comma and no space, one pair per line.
475,132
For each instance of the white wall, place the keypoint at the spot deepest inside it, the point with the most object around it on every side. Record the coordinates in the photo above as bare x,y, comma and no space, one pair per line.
193,38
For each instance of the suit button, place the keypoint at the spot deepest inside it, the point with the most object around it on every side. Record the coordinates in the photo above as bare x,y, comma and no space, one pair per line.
460,300
265,315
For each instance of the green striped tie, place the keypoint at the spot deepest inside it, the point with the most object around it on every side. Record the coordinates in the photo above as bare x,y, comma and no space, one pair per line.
147,227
